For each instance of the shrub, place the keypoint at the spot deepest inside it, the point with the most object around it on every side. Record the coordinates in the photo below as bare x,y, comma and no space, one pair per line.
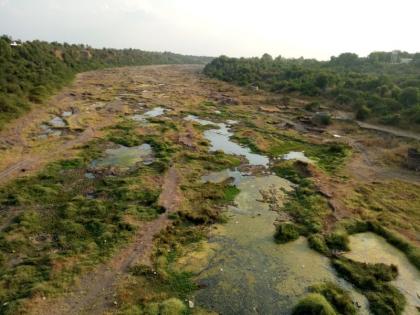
286,232
338,240
336,296
317,242
383,298
313,304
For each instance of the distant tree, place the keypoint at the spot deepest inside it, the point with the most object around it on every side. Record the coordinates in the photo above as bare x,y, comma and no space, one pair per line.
266,57
321,81
346,60
416,59
380,57
363,112
409,96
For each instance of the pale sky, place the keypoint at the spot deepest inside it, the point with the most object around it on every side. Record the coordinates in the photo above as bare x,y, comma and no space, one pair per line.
292,28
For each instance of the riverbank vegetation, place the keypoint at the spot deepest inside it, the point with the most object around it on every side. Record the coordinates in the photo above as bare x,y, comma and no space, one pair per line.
373,280
377,87
31,71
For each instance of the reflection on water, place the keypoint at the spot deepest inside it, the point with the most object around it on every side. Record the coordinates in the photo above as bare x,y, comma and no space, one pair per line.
125,157
371,248
220,140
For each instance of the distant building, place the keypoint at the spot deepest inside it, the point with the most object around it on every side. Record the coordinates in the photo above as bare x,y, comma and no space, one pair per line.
394,56
14,44
406,60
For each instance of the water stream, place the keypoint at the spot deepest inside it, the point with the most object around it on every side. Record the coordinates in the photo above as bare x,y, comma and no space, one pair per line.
220,140
247,272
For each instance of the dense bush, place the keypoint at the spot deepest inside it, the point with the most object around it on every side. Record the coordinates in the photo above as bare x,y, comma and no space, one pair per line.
373,87
286,232
30,71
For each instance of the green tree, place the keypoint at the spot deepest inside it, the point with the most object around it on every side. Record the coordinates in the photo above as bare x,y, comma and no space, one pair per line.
409,96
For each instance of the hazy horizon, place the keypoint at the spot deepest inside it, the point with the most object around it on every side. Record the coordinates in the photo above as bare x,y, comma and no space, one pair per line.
312,29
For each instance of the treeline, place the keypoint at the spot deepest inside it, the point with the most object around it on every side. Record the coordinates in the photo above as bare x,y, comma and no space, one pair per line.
32,70
384,87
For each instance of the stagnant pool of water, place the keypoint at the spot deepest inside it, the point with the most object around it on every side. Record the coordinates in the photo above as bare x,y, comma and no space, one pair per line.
155,112
125,157
371,248
220,140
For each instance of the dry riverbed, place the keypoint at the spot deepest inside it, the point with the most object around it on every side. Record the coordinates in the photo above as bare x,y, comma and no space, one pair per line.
155,190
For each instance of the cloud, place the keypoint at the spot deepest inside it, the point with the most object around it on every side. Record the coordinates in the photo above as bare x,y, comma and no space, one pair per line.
236,27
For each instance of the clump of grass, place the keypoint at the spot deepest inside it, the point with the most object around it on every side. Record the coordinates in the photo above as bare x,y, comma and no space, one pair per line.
286,232
317,243
307,207
338,240
372,280
230,193
294,171
313,304
336,296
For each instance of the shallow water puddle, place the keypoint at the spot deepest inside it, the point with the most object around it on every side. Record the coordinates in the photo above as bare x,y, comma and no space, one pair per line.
125,157
296,155
371,248
218,177
155,112
220,140
250,274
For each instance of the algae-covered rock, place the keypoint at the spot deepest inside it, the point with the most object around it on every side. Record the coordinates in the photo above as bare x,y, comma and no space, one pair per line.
314,304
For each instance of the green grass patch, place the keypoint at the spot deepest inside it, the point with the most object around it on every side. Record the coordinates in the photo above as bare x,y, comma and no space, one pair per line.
286,232
372,280
313,304
337,297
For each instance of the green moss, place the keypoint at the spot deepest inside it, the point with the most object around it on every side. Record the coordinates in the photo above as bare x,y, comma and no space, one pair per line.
172,306
338,240
286,232
307,207
372,280
337,297
230,193
313,304
317,242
